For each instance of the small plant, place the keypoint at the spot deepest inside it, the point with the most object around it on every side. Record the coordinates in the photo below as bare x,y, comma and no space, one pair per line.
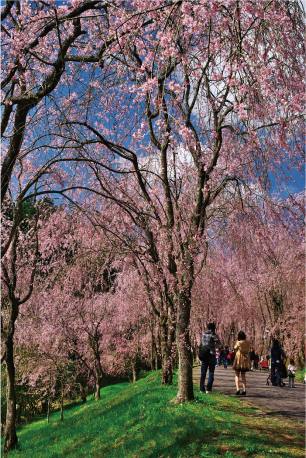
142,409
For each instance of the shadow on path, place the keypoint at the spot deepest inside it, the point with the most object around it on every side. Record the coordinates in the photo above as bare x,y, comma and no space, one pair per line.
286,401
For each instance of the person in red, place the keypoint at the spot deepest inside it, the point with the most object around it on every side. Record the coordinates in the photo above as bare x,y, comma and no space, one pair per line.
231,356
256,361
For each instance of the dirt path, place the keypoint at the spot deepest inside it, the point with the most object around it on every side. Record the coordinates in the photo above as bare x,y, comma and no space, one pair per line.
286,401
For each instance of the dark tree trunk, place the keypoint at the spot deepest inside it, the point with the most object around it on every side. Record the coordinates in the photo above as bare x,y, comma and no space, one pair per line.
13,303
44,407
49,409
166,369
157,354
83,394
152,351
185,383
62,402
14,147
10,424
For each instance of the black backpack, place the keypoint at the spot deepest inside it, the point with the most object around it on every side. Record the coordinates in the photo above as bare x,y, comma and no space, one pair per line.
204,353
284,373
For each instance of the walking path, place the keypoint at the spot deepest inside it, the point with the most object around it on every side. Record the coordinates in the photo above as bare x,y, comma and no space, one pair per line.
286,401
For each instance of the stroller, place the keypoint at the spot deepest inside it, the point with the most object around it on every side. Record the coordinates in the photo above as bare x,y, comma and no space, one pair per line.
264,364
284,374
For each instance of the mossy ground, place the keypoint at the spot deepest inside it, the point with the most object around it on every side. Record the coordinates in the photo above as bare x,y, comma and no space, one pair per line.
138,420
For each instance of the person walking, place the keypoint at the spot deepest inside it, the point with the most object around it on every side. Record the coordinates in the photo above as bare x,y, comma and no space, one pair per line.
242,361
276,354
231,357
218,355
225,355
252,358
256,361
209,338
291,372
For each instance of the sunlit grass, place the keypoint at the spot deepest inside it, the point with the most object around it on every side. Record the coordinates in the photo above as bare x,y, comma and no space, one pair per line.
300,375
137,420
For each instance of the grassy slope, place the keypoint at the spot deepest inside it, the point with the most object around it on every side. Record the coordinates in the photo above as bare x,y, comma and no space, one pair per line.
138,421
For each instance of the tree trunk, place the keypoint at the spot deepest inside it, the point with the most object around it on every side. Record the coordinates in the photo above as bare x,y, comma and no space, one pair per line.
62,403
83,393
97,381
152,350
134,373
166,342
166,369
156,361
10,424
172,351
49,408
157,355
98,395
14,146
185,383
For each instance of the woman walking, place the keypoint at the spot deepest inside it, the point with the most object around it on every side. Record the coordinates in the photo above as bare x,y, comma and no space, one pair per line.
242,361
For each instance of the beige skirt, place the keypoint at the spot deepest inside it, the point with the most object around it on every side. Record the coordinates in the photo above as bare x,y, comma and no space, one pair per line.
242,362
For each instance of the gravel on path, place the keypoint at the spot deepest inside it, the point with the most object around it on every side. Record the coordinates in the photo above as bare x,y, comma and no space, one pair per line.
283,400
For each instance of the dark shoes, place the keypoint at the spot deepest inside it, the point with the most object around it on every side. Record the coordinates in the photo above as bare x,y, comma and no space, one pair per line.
242,394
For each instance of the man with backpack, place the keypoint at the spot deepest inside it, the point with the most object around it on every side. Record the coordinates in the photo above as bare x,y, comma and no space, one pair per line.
207,355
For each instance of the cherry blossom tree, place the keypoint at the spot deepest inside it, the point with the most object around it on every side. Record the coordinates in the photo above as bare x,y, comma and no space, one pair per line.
172,107
42,49
36,39
204,81
254,277
18,270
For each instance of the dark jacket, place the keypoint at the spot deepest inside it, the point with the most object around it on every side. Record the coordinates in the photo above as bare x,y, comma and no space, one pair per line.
210,339
276,354
252,355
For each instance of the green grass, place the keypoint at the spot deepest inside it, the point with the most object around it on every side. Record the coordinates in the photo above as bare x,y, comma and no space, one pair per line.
300,375
137,420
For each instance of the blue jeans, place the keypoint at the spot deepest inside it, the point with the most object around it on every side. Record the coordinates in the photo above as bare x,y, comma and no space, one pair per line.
211,364
225,363
276,366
